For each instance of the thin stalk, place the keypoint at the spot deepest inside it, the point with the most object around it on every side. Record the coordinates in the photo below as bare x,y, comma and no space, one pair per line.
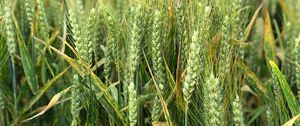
91,102
186,114
14,86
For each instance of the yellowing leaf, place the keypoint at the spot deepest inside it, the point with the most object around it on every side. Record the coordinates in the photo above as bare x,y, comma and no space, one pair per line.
252,22
292,121
52,103
269,42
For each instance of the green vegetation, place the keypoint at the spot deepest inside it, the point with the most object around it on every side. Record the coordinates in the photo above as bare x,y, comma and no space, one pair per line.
150,62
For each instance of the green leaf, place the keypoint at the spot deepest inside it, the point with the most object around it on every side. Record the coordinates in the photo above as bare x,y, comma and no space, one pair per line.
28,67
288,94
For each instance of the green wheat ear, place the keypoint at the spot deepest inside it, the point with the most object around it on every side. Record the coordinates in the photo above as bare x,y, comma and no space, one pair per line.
157,61
213,109
43,21
132,60
87,50
182,30
238,118
297,69
29,8
75,30
75,91
193,67
10,34
75,101
196,59
110,49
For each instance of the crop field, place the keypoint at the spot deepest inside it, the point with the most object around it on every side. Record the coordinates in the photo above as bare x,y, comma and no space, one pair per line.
149,62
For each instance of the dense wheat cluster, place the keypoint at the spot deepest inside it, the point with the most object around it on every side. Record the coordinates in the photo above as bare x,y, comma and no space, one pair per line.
150,62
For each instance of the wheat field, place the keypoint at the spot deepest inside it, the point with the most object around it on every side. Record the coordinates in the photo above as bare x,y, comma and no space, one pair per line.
149,62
